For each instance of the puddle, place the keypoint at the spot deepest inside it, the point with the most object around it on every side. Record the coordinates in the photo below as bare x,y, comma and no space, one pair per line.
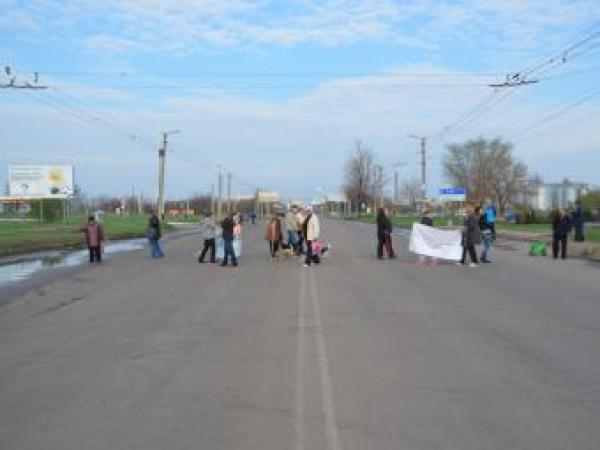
23,268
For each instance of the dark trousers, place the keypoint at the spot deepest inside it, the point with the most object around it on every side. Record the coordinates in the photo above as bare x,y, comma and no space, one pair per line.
562,243
274,247
208,244
472,254
310,256
95,254
228,247
385,240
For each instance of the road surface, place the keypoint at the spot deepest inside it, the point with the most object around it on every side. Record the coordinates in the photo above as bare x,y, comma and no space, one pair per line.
355,354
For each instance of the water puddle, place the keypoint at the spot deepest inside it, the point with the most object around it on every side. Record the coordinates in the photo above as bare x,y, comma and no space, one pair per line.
23,268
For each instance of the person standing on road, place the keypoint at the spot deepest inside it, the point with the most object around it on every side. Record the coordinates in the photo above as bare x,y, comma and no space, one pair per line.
292,228
209,231
228,235
154,235
561,227
93,238
490,215
384,235
428,222
578,220
312,231
300,219
470,237
485,228
274,235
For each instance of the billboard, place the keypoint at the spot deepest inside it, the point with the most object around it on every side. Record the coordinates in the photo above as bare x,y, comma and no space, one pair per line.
37,181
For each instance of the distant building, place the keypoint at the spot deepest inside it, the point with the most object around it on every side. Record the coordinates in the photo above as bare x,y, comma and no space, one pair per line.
548,196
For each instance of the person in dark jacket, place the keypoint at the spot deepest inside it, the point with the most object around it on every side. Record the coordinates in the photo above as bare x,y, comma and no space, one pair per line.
154,235
227,226
578,219
93,238
561,227
471,236
487,236
384,234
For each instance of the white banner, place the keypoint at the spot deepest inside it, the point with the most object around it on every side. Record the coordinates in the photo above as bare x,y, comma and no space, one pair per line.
430,241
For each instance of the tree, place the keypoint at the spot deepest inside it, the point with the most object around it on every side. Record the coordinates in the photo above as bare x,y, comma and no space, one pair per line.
487,169
358,176
410,192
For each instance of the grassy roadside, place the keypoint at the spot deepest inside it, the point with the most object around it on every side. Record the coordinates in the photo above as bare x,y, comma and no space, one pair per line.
24,237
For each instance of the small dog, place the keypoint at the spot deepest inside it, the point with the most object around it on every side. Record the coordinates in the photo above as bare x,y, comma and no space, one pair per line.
286,251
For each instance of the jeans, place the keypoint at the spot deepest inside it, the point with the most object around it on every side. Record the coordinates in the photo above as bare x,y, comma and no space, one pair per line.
292,238
208,244
95,254
155,250
228,249
486,240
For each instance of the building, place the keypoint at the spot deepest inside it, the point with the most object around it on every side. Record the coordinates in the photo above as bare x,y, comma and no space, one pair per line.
547,196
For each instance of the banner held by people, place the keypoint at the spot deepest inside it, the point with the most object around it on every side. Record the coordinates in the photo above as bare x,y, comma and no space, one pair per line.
430,241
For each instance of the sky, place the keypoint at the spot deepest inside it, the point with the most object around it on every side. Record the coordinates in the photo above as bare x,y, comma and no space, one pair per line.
278,92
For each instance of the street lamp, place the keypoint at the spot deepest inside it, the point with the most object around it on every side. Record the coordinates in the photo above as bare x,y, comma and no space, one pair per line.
162,152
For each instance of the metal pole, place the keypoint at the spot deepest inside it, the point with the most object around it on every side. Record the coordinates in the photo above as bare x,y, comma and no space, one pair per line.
220,196
228,192
423,169
161,177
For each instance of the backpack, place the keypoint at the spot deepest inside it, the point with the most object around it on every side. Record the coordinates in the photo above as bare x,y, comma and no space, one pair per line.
538,248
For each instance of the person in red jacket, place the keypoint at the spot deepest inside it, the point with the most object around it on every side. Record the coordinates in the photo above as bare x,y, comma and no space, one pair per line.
93,237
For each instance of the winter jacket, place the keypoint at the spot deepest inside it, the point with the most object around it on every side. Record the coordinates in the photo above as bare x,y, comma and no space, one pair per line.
561,227
471,233
290,221
93,234
273,232
484,224
313,229
154,228
227,226
384,226
209,228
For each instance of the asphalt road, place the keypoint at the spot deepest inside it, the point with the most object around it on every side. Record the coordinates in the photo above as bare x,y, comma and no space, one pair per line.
353,354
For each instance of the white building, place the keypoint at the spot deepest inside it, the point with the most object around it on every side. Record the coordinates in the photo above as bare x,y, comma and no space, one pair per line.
548,196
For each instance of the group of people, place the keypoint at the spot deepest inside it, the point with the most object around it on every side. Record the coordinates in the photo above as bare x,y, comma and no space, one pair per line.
230,228
297,231
479,228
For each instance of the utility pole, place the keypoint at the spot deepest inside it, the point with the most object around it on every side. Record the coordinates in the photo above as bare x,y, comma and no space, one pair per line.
396,187
228,192
380,185
423,140
162,152
220,196
212,199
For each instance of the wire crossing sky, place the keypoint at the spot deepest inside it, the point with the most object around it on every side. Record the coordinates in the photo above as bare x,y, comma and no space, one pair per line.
277,92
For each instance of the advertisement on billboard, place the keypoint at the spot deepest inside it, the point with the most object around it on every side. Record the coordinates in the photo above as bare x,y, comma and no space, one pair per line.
37,181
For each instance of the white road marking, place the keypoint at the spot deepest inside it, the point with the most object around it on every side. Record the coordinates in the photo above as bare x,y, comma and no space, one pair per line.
328,401
299,393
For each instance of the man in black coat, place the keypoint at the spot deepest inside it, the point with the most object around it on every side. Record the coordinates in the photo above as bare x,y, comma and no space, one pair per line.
561,227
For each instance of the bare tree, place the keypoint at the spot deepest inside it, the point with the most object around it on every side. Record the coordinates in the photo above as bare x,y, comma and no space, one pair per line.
410,192
358,177
487,169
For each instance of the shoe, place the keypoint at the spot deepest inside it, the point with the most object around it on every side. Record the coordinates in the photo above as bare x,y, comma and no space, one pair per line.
223,265
459,264
200,261
305,265
473,265
235,264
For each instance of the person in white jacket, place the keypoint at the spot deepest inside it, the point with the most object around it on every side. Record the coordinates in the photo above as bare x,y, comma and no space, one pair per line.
208,234
312,231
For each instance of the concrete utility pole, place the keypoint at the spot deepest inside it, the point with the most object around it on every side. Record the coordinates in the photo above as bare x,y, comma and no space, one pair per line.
220,196
228,192
162,152
423,140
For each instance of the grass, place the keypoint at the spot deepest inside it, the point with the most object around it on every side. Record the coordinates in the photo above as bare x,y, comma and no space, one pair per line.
23,237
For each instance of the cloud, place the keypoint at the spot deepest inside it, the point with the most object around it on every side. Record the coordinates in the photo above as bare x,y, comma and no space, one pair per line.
191,25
